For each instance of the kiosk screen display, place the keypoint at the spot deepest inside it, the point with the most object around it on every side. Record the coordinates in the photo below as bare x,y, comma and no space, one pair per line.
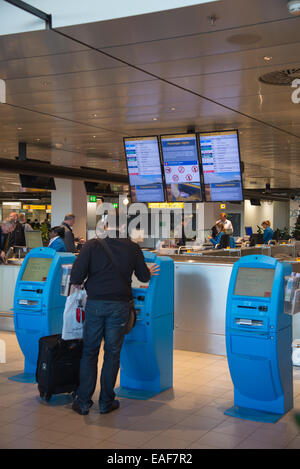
221,166
33,239
135,283
254,282
144,169
37,269
181,167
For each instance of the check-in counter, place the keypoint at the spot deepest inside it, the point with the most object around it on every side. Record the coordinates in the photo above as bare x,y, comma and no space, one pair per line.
201,284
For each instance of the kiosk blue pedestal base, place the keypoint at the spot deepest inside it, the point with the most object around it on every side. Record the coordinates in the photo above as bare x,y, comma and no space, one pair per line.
23,378
252,414
136,393
39,303
146,361
259,340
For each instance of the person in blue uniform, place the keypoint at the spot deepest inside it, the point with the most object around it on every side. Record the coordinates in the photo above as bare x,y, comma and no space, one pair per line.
268,232
221,232
56,236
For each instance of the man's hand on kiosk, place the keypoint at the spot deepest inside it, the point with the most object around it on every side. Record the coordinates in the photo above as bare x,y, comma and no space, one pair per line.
154,269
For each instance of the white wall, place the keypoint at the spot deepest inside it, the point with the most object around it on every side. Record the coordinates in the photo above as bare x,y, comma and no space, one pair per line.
69,197
275,211
281,215
255,215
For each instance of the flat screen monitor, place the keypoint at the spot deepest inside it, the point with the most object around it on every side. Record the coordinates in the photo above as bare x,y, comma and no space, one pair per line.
37,269
135,283
97,188
37,182
248,230
254,282
33,239
144,169
221,166
256,238
181,168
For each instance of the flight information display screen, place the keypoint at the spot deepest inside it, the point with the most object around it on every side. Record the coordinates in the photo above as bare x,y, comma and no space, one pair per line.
254,282
144,169
221,166
37,269
135,283
181,167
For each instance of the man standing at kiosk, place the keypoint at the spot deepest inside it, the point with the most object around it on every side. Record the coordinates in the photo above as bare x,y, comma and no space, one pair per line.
107,312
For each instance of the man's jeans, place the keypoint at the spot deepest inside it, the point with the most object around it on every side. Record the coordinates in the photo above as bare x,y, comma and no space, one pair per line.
103,319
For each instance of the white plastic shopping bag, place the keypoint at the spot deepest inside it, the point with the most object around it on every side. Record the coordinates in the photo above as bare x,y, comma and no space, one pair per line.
74,315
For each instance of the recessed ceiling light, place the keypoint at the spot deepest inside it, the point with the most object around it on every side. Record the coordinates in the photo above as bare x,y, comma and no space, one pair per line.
173,108
267,58
19,128
38,139
154,118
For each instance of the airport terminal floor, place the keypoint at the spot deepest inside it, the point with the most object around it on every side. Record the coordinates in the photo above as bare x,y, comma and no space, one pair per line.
189,416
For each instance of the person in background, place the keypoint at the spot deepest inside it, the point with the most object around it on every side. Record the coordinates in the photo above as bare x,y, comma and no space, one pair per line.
6,227
17,236
56,235
69,238
226,223
26,225
221,231
268,232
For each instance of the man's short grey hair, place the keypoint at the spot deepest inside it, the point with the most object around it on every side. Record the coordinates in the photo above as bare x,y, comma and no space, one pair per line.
69,216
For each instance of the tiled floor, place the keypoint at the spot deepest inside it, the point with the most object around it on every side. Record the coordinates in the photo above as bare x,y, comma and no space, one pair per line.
189,416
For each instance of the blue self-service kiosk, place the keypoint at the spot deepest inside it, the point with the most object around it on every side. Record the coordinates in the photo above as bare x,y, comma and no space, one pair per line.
259,339
39,302
146,362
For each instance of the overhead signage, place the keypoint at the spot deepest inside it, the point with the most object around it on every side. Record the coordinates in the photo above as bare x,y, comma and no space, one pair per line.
181,167
221,166
144,169
170,205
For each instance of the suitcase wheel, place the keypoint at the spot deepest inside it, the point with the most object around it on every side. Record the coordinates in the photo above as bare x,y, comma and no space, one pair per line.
48,397
42,394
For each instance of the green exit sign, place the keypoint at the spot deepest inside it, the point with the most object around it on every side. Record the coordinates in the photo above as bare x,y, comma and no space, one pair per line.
93,198
115,205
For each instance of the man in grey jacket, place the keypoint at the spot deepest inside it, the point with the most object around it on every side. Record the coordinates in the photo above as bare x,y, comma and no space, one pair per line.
69,239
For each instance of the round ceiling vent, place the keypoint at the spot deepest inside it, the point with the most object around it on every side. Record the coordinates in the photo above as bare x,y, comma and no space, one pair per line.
281,77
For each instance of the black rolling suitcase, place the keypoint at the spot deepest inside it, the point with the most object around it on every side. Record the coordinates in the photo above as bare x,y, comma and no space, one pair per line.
58,365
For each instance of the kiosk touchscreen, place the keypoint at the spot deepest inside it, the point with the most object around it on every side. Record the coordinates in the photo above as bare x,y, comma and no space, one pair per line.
39,301
259,339
146,364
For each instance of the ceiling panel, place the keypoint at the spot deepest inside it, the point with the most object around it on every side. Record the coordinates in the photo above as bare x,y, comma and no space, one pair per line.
154,74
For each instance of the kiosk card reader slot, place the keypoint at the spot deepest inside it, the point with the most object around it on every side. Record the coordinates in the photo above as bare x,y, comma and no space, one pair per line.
38,302
146,364
259,339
